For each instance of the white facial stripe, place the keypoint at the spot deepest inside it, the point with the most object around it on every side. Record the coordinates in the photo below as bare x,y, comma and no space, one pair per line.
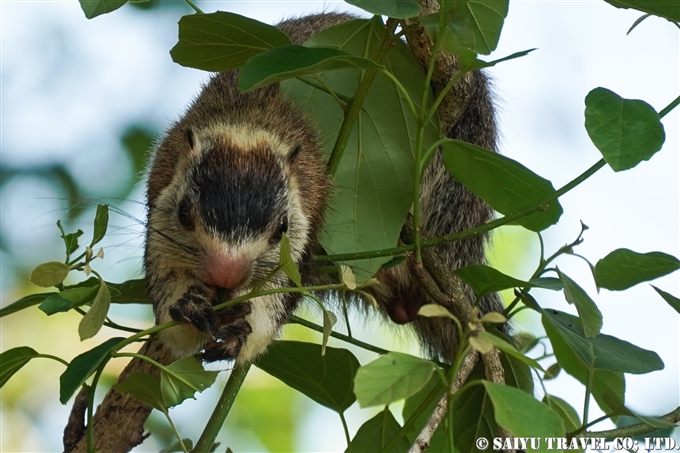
298,236
245,137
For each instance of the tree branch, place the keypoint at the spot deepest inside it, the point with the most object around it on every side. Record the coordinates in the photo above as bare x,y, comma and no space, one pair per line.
119,421
422,442
638,429
446,66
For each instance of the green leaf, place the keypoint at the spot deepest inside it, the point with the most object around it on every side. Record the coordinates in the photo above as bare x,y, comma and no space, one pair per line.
126,292
472,415
391,377
145,388
568,414
286,62
94,319
183,378
525,341
601,352
509,349
637,22
374,181
473,24
624,268
376,433
129,292
614,354
397,9
94,8
552,372
329,320
469,61
626,131
481,345
287,263
434,311
326,379
484,279
667,9
552,283
221,41
672,300
505,184
83,366
70,240
521,415
55,304
517,373
12,360
49,274
590,315
67,299
439,441
570,361
101,222
24,302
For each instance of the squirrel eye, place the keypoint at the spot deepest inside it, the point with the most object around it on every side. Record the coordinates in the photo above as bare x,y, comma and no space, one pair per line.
280,229
184,215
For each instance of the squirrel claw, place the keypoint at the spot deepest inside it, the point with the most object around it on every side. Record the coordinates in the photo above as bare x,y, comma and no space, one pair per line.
230,339
194,307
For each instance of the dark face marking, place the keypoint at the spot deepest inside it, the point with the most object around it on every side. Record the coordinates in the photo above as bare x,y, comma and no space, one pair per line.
240,192
184,215
281,228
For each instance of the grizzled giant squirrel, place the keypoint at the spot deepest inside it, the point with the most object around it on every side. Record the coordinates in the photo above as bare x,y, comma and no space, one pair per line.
239,170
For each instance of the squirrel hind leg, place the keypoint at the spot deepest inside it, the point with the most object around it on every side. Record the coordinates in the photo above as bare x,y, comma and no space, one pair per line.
399,295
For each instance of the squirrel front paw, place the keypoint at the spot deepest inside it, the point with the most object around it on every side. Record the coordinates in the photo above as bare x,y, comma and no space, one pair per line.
227,328
231,334
195,307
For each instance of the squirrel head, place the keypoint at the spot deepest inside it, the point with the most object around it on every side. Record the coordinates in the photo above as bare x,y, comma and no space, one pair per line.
232,198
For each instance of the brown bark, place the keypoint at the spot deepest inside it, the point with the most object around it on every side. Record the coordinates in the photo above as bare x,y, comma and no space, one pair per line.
119,420
445,68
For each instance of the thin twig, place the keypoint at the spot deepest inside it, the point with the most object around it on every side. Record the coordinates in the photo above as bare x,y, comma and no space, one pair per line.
422,442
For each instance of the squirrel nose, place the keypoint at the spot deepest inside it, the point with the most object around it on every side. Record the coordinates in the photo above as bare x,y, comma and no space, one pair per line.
227,272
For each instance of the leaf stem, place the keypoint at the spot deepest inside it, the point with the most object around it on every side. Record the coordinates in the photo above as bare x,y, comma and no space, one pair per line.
58,359
109,323
146,359
339,336
219,415
422,119
638,429
177,434
669,107
586,426
586,402
402,90
344,427
195,8
339,98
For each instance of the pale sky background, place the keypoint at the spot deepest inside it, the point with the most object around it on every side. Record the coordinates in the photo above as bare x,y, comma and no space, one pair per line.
70,85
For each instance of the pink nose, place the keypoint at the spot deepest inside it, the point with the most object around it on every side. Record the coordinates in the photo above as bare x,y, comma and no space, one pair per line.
226,271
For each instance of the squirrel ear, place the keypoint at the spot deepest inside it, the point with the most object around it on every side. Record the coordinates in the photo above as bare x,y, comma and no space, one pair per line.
189,137
295,152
